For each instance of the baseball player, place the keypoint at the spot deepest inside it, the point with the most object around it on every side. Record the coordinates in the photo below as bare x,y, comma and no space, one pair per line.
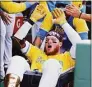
78,24
7,26
51,62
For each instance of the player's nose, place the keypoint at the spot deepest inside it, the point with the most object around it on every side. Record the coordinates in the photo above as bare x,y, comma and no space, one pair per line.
50,41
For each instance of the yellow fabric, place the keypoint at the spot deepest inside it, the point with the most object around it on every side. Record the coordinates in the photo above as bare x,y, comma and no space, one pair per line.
80,25
77,3
47,22
12,7
59,15
44,3
38,57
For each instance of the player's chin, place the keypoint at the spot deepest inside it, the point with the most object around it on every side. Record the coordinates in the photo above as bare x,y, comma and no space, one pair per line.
51,52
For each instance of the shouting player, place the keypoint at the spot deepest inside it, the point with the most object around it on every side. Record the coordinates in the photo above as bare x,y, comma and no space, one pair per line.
51,62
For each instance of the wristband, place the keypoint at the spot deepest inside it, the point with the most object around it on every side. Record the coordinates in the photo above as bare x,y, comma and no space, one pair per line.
80,14
31,22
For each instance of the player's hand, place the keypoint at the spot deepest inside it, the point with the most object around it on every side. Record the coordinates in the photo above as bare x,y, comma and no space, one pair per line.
6,18
38,13
19,43
58,16
73,10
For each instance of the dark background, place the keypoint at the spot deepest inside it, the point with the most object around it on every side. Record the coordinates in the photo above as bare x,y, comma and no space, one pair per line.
88,10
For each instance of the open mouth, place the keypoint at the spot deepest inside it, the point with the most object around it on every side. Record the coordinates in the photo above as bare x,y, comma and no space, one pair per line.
49,46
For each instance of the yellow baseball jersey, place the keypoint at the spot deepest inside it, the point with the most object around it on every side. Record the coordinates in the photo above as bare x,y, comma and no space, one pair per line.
12,7
38,57
80,25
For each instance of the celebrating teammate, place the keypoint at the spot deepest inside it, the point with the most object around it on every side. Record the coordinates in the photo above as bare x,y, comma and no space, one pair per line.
51,62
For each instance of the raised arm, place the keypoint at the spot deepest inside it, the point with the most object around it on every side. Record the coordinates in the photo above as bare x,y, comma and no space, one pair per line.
59,18
38,13
75,12
13,7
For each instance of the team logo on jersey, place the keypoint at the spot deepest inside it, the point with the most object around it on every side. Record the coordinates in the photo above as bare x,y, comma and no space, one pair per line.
61,63
39,60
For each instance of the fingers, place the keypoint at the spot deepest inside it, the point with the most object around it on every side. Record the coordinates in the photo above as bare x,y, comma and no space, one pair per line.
70,7
72,10
7,20
57,13
68,12
40,9
59,16
38,13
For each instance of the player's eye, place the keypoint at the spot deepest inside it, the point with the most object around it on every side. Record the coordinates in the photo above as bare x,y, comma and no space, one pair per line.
54,42
46,41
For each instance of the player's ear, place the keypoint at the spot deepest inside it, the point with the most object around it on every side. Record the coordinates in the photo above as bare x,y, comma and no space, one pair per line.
60,44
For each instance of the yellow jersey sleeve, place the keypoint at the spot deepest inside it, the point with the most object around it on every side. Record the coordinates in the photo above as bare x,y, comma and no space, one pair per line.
80,25
68,62
34,53
37,57
48,18
12,7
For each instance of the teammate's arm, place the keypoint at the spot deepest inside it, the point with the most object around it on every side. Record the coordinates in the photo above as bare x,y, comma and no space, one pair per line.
5,17
75,12
86,17
38,13
71,33
13,7
44,28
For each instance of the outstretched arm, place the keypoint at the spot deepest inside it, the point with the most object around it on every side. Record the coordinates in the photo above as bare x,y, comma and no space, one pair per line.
13,7
75,12
71,33
38,13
